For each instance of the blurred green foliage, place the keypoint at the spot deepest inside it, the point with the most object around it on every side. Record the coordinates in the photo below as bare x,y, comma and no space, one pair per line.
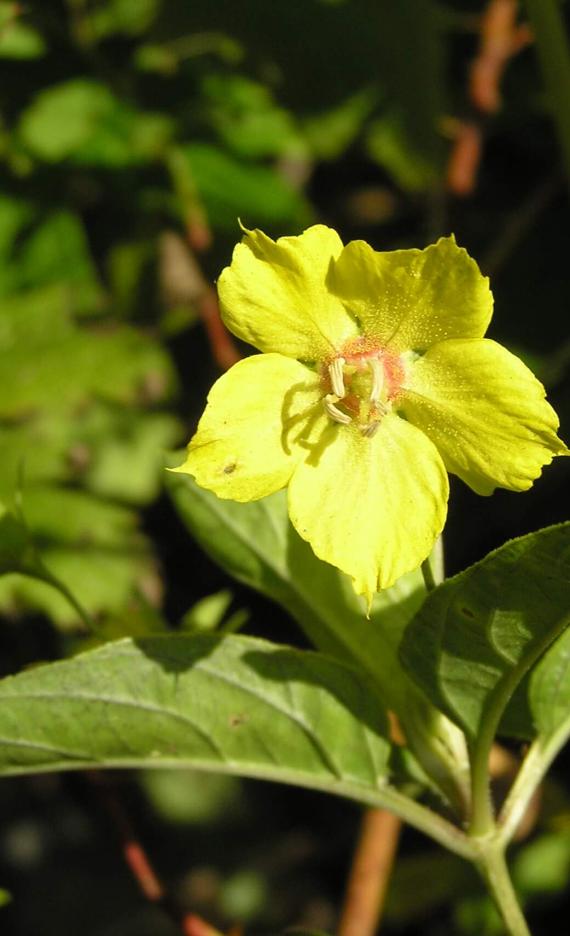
125,124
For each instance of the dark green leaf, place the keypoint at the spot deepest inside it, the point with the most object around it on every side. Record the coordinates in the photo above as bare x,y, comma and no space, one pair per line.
478,634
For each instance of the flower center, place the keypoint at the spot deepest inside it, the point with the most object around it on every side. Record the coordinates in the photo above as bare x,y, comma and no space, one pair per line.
362,382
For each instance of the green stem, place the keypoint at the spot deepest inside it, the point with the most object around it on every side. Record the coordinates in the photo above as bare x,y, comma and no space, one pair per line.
550,34
482,818
427,572
44,575
482,821
493,867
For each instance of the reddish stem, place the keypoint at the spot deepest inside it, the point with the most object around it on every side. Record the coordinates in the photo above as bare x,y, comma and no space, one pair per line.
370,873
138,861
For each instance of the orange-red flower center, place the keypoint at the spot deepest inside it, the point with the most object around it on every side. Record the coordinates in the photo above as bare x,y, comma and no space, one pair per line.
361,382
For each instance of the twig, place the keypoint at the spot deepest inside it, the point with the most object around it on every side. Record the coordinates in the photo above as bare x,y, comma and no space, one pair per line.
501,37
183,282
370,873
138,861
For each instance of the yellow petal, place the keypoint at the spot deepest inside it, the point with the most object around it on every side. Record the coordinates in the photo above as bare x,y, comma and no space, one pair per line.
259,417
373,507
274,294
486,413
410,299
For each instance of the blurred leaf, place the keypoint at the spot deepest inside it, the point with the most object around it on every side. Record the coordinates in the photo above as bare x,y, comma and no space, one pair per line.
208,613
387,145
414,85
247,118
189,797
127,263
17,550
82,119
435,878
479,632
232,189
17,39
239,706
125,452
62,118
124,16
167,57
257,544
5,897
92,547
543,865
243,895
331,132
51,362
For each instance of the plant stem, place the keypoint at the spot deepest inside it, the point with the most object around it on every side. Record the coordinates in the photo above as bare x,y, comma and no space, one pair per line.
44,575
493,867
427,572
550,34
482,818
370,873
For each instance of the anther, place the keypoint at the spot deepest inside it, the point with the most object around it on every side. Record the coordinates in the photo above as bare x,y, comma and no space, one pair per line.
371,429
337,377
377,379
333,411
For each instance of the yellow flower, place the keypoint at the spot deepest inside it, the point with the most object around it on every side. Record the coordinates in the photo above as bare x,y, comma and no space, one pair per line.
375,381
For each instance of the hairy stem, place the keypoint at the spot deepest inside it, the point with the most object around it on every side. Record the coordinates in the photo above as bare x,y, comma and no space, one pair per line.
493,868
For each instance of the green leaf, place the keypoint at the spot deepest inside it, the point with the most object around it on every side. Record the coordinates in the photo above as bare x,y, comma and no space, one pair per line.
82,119
208,613
479,633
18,40
90,546
247,119
257,544
37,249
17,551
131,17
238,706
5,897
231,189
540,708
71,363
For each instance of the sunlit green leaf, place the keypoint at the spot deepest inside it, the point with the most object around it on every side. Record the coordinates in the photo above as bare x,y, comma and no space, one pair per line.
92,546
82,119
238,706
17,39
247,119
232,189
50,362
257,544
123,16
208,613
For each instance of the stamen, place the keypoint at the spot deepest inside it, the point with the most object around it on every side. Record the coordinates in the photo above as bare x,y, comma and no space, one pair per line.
337,377
377,379
333,411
